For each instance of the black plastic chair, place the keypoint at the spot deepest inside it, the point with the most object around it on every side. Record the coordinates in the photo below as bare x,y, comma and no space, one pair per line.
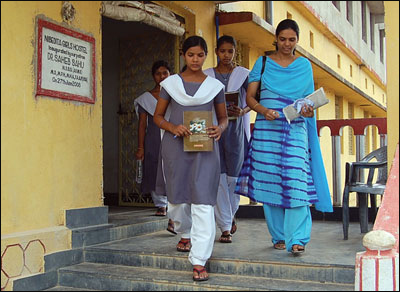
363,188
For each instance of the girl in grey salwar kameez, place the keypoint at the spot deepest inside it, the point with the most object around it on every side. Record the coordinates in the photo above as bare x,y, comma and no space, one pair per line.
191,177
234,140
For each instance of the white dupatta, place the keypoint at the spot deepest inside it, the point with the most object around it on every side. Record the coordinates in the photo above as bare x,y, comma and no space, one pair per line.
208,89
146,101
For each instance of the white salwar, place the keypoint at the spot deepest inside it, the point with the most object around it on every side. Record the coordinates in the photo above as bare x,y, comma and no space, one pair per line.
227,201
196,222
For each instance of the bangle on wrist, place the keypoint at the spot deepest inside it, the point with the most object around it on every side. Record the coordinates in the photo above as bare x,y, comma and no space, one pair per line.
254,108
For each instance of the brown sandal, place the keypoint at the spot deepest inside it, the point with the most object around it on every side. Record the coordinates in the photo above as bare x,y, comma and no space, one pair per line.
171,227
199,271
234,226
280,245
225,238
162,211
297,249
184,245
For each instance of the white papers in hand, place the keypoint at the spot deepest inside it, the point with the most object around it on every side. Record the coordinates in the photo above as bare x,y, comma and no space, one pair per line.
318,98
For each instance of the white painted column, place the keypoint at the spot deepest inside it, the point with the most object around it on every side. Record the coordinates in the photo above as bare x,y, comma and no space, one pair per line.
336,171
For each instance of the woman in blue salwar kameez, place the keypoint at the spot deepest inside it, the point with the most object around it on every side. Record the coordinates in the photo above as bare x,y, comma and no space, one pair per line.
284,168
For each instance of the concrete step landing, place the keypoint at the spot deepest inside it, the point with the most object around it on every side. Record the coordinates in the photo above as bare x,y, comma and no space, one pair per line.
106,277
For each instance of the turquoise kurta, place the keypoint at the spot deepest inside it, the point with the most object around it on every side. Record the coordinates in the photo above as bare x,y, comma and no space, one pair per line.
284,165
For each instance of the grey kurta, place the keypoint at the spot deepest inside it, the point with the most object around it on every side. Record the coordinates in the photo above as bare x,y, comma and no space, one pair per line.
152,143
233,142
190,177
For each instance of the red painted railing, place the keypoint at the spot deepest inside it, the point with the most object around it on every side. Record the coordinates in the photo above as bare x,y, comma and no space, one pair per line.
359,126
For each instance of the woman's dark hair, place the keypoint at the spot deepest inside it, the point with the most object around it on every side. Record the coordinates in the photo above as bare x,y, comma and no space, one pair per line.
158,64
287,24
194,41
226,39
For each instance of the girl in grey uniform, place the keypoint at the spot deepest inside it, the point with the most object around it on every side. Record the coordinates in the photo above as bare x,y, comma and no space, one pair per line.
191,178
149,139
233,142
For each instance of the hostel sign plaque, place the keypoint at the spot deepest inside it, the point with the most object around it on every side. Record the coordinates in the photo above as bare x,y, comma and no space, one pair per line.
65,63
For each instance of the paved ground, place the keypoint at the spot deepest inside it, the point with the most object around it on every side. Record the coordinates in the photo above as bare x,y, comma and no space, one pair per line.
251,242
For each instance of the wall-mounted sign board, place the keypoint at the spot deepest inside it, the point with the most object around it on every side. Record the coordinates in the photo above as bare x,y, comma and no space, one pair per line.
66,63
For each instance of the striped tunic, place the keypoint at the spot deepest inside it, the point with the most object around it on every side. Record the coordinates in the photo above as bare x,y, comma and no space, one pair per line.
277,168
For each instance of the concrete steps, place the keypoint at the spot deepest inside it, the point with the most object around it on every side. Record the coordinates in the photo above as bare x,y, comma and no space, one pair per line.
178,261
143,256
108,277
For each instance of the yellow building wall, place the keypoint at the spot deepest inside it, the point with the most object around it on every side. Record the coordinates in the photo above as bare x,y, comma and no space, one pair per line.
204,18
51,149
392,57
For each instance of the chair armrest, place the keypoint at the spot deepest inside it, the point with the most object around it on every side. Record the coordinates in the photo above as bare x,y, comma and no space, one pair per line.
355,167
362,164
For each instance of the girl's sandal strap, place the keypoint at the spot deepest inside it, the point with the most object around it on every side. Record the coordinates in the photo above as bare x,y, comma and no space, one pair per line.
199,271
186,245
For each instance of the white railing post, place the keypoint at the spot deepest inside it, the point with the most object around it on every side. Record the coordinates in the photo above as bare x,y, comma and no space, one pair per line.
336,171
377,269
360,147
383,140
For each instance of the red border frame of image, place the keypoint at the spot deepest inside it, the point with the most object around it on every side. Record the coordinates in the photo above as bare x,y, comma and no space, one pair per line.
60,94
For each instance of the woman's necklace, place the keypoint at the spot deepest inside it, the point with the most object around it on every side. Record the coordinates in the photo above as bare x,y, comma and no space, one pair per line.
226,77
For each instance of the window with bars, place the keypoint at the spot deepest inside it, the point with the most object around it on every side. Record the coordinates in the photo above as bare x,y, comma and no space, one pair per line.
367,139
350,115
239,54
374,137
338,115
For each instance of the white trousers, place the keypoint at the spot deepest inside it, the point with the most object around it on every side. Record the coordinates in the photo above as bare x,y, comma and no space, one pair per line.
159,200
196,222
227,202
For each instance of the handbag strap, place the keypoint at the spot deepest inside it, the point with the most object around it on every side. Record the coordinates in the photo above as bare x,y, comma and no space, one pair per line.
263,66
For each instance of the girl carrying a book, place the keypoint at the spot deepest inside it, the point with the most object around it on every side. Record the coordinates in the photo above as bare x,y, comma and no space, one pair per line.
234,140
191,177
